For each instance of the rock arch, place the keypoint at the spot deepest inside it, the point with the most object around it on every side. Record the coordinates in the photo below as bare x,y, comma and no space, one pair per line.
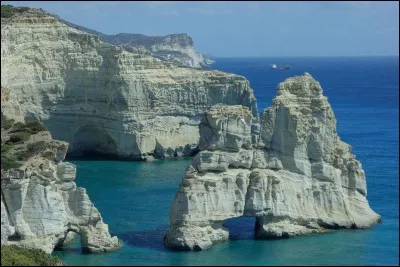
295,175
41,206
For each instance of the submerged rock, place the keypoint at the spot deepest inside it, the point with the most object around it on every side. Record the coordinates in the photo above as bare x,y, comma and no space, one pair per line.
296,177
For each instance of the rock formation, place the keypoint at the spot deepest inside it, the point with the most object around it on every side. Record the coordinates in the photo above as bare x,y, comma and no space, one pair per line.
100,98
295,175
176,49
40,203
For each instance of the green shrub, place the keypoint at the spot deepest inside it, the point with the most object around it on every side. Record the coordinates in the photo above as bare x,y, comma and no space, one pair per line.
31,150
22,155
34,127
48,155
22,9
19,137
5,148
37,147
7,11
7,124
9,142
19,126
8,161
16,256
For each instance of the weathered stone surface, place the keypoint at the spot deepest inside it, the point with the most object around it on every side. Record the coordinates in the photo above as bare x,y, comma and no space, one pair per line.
10,107
6,227
41,204
296,177
226,128
101,98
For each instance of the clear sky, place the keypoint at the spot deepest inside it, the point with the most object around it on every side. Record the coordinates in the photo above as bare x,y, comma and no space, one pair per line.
228,29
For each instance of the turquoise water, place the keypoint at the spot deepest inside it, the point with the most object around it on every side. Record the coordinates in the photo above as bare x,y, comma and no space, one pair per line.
134,197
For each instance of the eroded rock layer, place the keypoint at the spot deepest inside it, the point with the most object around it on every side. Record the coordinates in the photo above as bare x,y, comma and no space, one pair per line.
102,99
294,175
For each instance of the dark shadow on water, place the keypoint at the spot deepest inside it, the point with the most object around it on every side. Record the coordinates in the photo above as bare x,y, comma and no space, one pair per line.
69,250
241,228
152,238
92,156
73,248
96,156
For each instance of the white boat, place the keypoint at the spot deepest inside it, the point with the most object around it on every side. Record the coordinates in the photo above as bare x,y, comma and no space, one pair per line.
274,66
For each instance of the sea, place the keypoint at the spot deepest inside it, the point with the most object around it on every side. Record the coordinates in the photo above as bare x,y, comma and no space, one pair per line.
134,198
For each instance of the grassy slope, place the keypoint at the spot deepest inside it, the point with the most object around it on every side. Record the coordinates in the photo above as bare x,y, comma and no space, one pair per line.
16,256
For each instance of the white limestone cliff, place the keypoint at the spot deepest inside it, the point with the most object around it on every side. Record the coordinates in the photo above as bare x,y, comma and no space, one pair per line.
297,177
177,49
179,52
41,204
100,98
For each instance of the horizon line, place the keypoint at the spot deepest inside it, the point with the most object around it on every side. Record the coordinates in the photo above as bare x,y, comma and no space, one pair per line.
293,56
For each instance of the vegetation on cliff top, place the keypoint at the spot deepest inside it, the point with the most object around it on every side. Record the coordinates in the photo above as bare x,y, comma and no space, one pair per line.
16,256
19,133
7,11
8,161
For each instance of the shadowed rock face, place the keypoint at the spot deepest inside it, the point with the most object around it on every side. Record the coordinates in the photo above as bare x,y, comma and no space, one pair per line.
75,83
296,177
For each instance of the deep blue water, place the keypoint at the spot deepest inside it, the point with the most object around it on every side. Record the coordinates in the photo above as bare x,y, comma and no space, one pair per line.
134,197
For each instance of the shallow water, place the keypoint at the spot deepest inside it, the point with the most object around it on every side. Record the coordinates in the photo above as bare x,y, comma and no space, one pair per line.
134,197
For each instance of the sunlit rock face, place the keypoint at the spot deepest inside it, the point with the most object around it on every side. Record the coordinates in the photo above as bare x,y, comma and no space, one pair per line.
103,99
296,177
